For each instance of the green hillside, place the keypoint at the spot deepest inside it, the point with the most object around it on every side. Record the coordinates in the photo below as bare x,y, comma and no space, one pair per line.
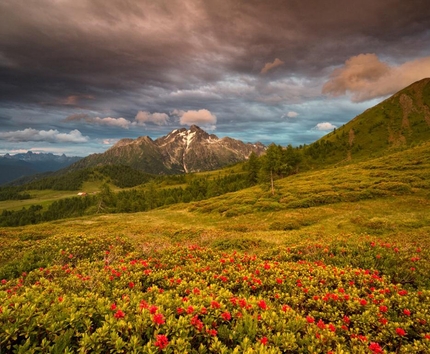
396,123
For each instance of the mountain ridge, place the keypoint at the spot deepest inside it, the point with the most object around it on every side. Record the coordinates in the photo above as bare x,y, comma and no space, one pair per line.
397,122
180,151
30,163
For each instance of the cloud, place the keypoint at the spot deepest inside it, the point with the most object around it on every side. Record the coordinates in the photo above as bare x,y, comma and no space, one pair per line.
113,122
73,100
324,126
201,117
109,141
366,77
51,136
290,114
270,66
143,117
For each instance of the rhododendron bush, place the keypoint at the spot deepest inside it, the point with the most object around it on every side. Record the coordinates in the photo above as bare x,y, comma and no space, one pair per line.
193,299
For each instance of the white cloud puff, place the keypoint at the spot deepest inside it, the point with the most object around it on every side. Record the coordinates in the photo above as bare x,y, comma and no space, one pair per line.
324,126
113,122
201,117
269,66
290,114
109,121
366,77
50,136
143,117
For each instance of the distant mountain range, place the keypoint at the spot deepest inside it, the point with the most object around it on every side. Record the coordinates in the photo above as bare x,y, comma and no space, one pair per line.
181,151
20,165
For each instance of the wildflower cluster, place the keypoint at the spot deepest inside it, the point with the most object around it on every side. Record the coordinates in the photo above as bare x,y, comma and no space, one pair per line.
197,299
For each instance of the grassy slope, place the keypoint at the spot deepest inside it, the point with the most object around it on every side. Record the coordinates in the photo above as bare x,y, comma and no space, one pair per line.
398,122
48,196
385,198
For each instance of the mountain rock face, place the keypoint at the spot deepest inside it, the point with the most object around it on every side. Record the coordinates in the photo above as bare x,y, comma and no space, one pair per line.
181,151
25,164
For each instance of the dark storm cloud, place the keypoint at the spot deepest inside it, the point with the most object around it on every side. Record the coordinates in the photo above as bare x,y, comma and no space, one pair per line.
76,47
94,64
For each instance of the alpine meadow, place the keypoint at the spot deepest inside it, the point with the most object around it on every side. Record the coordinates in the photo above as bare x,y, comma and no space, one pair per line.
233,248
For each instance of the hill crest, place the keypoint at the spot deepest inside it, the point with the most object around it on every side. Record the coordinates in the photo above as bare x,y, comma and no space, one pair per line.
399,121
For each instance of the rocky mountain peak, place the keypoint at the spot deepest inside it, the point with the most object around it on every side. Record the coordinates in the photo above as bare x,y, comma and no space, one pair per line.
181,151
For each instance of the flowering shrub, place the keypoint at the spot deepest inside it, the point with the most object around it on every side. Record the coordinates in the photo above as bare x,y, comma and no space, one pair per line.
203,300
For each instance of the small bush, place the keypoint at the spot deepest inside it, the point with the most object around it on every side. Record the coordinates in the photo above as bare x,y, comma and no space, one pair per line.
285,225
398,187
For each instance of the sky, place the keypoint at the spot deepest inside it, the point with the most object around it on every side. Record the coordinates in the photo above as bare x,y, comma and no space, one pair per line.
76,76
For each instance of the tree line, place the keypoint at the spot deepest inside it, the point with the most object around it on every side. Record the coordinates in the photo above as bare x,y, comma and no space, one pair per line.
147,197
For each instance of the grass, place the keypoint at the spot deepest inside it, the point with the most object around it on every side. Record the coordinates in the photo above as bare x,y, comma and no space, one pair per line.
47,196
386,197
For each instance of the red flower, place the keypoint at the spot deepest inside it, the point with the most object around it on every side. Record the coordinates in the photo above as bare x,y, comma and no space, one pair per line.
331,327
190,309
400,332
158,319
264,340
279,281
362,338
383,308
262,304
375,348
215,305
406,312
196,323
161,341
153,309
346,320
226,316
310,319
212,332
363,302
131,285
383,320
285,308
402,292
321,324
119,314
